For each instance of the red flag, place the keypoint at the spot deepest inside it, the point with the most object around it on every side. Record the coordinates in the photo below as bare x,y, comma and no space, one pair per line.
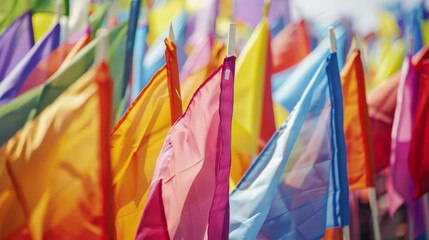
419,151
290,46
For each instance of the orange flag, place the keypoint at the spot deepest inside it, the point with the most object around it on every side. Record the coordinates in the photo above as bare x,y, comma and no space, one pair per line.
290,46
54,173
360,162
48,66
137,140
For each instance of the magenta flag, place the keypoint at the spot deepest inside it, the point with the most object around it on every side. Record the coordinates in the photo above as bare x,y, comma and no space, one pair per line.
188,195
15,42
400,186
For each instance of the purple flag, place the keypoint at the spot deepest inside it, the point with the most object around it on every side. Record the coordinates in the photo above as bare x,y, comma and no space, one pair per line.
15,42
11,84
252,11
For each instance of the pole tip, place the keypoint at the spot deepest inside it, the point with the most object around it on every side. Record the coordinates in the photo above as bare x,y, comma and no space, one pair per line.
171,33
230,47
102,47
332,40
266,7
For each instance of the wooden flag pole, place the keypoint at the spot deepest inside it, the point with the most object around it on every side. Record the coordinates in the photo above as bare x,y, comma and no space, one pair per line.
267,4
426,213
230,47
410,214
333,48
374,212
171,33
102,47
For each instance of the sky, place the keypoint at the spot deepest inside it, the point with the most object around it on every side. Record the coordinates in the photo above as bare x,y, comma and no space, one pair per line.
362,12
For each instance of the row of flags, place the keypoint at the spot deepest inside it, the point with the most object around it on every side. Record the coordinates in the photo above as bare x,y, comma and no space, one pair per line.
162,139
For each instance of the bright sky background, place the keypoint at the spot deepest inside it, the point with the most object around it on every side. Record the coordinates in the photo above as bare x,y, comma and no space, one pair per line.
363,12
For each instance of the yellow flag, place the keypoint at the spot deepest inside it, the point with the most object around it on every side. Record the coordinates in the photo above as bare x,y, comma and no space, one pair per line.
251,107
161,16
51,180
425,32
391,63
42,22
137,140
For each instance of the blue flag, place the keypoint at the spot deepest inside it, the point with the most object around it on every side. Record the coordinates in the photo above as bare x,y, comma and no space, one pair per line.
292,189
413,25
289,85
140,48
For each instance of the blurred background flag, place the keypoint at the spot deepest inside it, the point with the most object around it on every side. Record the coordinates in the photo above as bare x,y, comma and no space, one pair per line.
15,43
11,85
68,200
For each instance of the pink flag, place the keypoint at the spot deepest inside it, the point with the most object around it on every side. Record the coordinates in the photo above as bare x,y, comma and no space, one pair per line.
188,196
199,57
400,186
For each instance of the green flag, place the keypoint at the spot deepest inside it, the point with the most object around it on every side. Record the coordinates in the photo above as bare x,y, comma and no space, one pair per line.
27,106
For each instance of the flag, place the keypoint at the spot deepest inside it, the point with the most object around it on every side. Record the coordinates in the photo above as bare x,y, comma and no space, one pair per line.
381,108
42,23
154,57
98,17
413,22
400,188
188,196
160,17
290,46
11,85
140,48
289,85
251,12
129,46
391,63
199,57
10,11
418,158
69,145
13,9
253,121
195,78
360,162
27,106
15,43
137,140
48,66
50,6
285,194
201,23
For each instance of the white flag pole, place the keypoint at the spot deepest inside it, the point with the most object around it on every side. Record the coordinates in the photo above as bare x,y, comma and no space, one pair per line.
374,212
230,47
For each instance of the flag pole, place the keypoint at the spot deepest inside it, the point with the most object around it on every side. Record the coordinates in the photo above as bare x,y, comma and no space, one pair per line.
333,49
230,47
332,40
426,213
171,33
374,212
102,47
